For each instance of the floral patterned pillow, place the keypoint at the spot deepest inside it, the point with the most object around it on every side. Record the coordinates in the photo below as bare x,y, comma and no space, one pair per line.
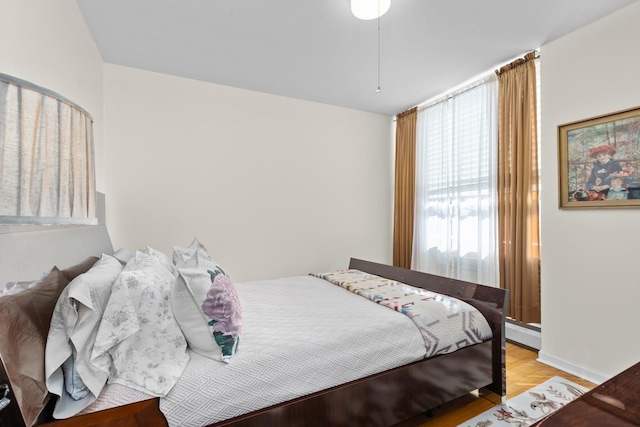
222,307
205,303
139,342
207,308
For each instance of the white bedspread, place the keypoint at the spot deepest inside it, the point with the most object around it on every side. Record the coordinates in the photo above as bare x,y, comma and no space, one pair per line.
301,335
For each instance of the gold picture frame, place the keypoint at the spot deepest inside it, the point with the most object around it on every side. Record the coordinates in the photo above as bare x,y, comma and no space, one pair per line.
599,161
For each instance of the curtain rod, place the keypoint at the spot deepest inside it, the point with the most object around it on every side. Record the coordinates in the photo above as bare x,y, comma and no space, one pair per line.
464,88
28,85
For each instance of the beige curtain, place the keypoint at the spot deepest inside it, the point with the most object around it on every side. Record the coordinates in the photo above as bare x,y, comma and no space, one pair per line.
405,184
519,255
46,157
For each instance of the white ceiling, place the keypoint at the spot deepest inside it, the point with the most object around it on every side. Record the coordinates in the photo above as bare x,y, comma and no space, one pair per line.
316,50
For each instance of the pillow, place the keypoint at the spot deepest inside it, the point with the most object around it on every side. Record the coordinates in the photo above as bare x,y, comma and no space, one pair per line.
76,270
25,321
181,254
206,305
139,343
222,306
12,288
74,325
194,256
123,255
215,333
149,258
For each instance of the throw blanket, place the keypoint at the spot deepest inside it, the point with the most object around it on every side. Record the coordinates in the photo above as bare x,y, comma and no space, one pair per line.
445,323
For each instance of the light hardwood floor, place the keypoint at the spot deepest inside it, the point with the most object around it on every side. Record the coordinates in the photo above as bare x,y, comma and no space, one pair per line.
523,373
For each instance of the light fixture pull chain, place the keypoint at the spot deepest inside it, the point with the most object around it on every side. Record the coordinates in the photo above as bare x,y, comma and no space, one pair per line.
378,89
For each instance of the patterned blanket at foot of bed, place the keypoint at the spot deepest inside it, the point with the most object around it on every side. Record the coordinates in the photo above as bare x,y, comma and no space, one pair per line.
446,323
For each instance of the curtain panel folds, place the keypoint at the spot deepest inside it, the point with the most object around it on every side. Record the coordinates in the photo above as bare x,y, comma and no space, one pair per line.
46,157
456,184
404,195
519,255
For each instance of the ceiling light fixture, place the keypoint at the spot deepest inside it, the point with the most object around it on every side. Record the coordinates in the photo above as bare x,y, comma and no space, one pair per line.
369,9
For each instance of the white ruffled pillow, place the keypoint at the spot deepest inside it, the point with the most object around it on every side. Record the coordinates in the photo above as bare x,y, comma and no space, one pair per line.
74,325
123,255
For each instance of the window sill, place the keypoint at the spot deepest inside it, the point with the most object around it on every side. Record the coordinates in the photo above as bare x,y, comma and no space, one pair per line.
6,220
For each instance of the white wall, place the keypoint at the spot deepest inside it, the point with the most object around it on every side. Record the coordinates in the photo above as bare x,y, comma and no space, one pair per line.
272,186
590,282
48,43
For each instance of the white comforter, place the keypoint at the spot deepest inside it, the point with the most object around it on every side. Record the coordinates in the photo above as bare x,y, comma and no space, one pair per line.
301,335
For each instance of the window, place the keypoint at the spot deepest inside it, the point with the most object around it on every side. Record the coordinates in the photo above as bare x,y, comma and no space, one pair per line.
456,172
46,157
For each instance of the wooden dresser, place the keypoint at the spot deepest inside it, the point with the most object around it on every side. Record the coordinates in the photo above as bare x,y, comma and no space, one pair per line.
615,403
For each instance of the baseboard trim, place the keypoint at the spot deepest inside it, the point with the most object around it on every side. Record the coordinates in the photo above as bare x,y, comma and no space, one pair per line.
572,368
529,337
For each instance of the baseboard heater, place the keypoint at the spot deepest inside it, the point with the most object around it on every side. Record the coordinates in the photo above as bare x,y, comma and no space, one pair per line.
523,334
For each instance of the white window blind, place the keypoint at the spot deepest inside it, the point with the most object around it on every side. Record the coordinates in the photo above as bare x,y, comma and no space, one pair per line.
46,157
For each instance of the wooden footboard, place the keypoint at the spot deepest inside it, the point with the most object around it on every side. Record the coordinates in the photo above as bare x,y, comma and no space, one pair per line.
492,303
383,399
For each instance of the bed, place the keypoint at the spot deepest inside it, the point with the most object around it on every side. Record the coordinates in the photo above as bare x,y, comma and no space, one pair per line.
380,398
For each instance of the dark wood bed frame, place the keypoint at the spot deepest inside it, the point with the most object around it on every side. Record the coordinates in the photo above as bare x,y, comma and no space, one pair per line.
378,400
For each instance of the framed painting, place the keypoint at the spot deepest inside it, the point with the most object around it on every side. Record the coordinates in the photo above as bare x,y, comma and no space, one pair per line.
600,161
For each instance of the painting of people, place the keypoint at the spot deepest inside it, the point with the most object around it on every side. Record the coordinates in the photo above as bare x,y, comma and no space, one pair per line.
600,161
